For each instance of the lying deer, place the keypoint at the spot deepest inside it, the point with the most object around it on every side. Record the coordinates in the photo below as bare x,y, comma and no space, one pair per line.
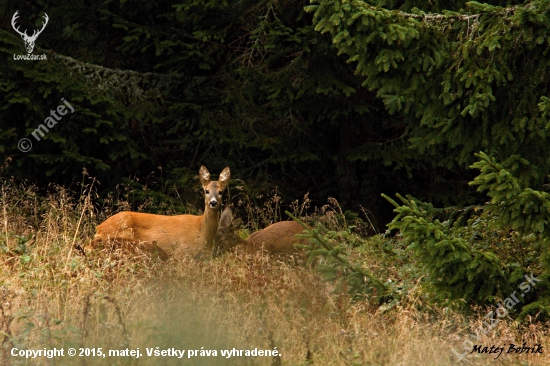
186,233
277,239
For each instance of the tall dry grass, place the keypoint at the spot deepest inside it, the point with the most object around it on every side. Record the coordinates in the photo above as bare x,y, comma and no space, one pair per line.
51,295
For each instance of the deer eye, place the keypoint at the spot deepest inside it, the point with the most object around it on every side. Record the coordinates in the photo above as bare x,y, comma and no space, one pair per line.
206,191
220,192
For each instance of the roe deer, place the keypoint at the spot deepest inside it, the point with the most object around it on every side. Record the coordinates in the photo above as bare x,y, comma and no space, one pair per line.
186,233
276,239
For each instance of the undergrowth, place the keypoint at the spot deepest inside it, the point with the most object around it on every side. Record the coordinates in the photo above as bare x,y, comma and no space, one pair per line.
53,296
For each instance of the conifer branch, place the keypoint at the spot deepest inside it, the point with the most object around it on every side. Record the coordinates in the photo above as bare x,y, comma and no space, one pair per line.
87,68
134,85
460,17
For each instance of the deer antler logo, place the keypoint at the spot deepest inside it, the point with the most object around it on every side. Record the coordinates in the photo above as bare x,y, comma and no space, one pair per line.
29,41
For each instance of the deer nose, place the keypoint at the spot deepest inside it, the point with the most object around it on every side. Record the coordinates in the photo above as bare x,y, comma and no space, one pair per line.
213,203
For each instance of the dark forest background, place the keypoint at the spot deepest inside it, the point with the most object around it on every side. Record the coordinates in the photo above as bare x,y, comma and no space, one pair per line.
343,99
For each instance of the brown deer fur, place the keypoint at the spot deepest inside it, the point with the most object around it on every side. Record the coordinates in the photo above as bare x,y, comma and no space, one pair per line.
277,239
186,233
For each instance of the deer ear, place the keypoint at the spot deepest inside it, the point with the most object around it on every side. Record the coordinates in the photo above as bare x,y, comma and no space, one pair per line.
225,219
204,176
224,178
236,224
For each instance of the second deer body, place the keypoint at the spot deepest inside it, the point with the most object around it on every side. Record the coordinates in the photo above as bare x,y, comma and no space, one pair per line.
277,239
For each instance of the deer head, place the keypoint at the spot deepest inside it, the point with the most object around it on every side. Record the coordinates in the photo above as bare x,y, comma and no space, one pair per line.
29,40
